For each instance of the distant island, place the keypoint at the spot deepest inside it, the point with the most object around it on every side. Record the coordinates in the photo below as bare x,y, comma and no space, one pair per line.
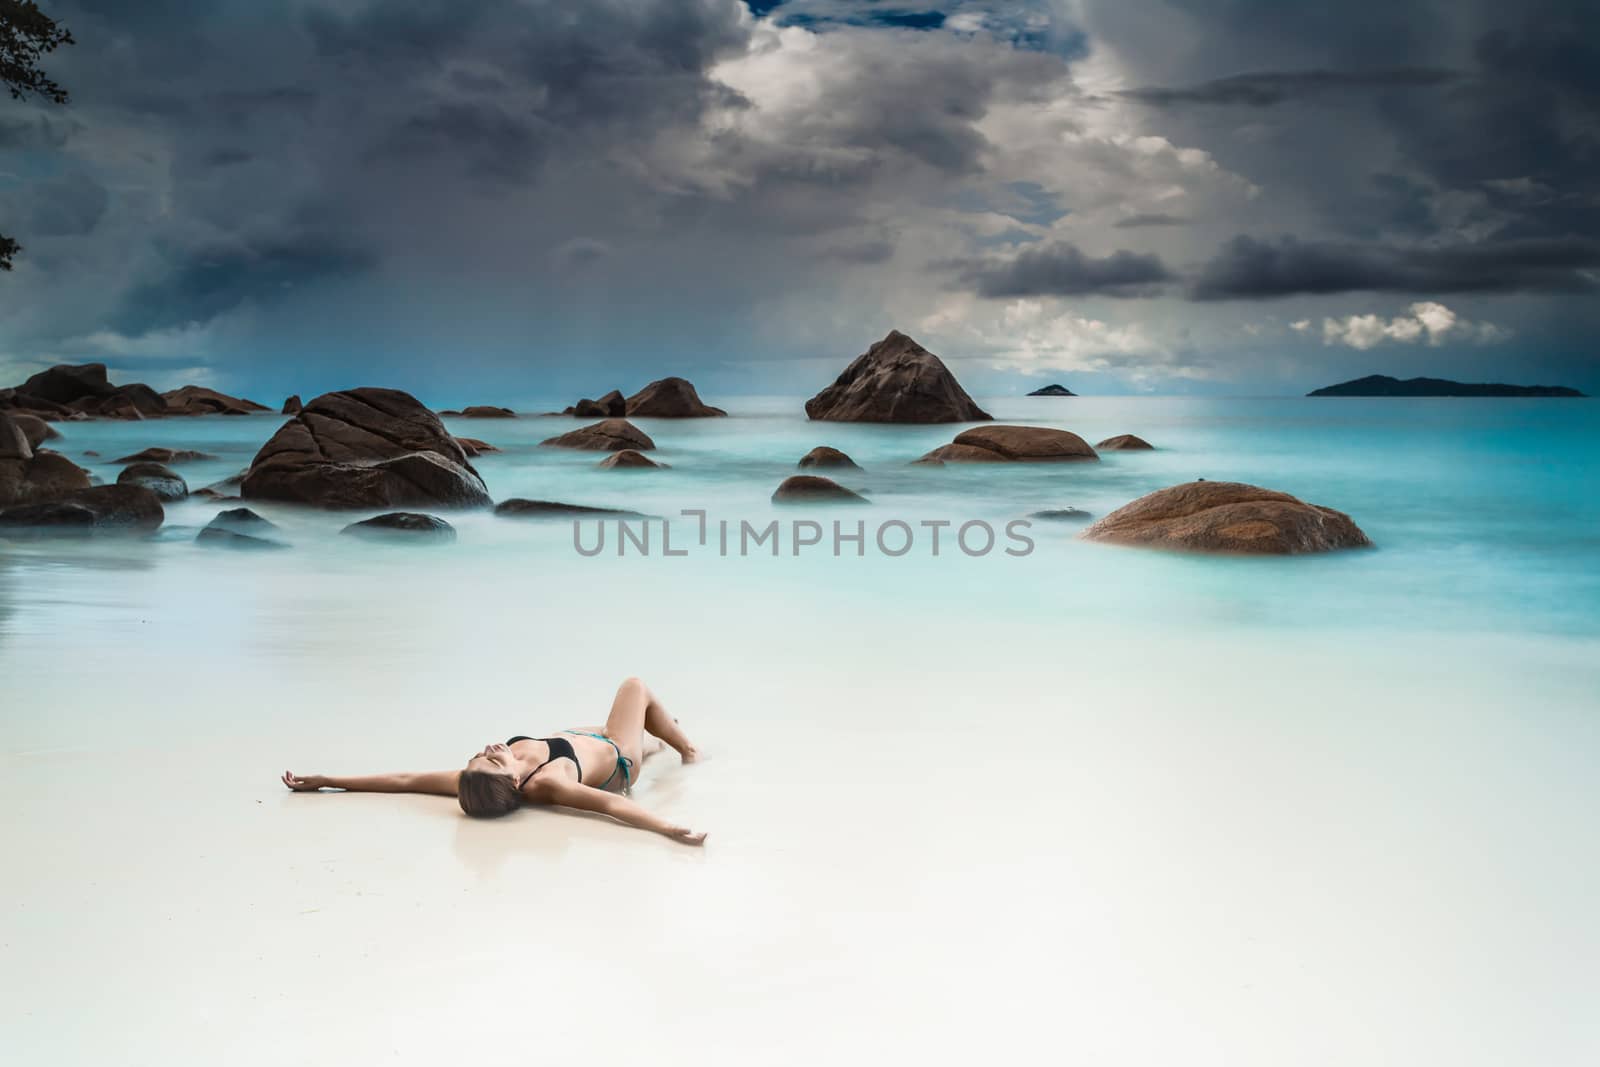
1053,390
1383,385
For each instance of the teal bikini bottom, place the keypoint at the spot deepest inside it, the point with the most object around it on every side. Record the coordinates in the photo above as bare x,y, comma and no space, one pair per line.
624,765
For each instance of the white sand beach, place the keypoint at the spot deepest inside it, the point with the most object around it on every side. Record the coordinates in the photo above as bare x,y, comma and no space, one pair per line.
1099,846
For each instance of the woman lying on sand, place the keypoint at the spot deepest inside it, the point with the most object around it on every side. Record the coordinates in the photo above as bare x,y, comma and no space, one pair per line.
578,769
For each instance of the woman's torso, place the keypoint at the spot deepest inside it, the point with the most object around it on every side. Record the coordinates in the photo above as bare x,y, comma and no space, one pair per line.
597,758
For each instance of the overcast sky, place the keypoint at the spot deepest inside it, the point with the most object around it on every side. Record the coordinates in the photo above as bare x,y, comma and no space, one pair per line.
487,200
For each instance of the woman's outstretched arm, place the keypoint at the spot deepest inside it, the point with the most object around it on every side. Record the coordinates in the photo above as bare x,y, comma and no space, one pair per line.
440,783
569,794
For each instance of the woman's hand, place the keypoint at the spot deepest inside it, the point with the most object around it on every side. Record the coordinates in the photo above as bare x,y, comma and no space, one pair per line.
687,836
309,784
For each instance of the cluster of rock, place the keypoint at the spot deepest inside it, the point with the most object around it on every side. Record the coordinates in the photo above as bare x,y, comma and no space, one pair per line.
375,448
665,398
84,391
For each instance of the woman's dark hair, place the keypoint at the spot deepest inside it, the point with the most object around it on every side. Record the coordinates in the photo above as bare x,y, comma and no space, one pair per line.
486,794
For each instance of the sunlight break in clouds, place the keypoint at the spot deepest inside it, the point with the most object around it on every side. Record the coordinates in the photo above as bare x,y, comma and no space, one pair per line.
1424,319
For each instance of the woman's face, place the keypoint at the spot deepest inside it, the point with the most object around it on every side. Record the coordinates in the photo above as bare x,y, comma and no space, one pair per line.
495,758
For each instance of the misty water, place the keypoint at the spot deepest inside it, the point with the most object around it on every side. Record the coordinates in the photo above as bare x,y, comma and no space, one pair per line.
1291,790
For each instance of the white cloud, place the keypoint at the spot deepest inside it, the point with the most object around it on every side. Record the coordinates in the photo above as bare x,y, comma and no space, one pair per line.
1424,319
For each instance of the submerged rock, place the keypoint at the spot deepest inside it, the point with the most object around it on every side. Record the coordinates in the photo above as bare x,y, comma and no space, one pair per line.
628,459
474,447
484,411
1124,442
241,520
669,398
813,488
164,482
365,448
519,508
1061,515
406,525
107,508
1227,517
896,380
1013,444
608,435
824,457
164,455
222,537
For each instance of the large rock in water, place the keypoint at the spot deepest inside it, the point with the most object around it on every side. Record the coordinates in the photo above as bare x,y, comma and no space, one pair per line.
103,507
608,435
1227,517
198,400
66,384
365,448
669,398
896,380
1125,442
1013,444
628,459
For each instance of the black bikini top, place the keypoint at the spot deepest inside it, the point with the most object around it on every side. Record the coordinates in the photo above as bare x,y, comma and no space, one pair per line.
560,748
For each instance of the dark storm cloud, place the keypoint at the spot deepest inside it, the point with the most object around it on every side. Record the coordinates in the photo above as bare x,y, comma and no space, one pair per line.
1061,269
68,206
1247,268
1134,222
209,282
488,142
1266,88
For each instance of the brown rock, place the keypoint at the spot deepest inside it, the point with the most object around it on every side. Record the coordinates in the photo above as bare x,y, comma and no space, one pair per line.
35,429
484,411
474,447
164,455
233,540
365,448
822,456
628,459
44,476
669,398
14,443
813,488
1014,444
198,400
518,508
403,525
105,507
1227,517
292,405
608,435
896,380
1124,442
164,482
65,384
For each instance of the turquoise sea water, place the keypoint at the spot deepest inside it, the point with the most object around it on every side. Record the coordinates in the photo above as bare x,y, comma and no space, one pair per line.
1484,513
